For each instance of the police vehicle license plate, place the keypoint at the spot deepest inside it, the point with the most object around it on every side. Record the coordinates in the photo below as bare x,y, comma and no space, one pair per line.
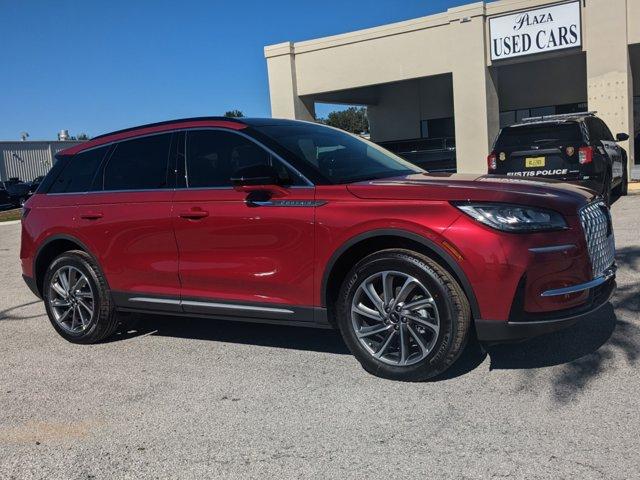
534,162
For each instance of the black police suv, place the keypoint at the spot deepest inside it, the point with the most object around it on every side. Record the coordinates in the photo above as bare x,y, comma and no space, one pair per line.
575,147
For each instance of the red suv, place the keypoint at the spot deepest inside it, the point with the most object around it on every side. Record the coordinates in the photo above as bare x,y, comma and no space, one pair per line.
295,223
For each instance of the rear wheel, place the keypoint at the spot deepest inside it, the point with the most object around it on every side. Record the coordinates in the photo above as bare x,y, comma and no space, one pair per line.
606,188
77,299
623,188
403,316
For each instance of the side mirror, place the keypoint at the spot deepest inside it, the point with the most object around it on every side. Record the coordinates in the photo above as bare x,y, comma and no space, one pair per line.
621,137
255,175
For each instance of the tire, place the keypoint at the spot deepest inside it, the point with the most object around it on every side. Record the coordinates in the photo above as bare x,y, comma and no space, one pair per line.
89,323
623,189
380,353
606,189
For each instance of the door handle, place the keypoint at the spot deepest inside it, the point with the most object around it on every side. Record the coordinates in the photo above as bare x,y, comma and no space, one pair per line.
194,214
91,215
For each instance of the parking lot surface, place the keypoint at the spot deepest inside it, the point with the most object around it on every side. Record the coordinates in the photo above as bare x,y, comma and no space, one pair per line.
193,398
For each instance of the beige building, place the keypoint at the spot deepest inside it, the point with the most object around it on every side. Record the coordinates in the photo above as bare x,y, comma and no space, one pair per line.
449,81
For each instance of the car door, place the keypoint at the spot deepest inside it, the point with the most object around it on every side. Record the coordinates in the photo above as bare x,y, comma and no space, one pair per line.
602,138
240,258
614,151
127,221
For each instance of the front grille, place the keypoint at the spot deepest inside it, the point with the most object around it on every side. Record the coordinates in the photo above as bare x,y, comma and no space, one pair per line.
596,223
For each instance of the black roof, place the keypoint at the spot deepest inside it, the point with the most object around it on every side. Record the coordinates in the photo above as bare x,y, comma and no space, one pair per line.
252,122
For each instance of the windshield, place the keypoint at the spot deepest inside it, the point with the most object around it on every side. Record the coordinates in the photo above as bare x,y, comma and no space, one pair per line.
338,156
551,134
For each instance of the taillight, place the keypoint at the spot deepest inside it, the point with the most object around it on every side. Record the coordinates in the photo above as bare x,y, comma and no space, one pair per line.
492,163
585,155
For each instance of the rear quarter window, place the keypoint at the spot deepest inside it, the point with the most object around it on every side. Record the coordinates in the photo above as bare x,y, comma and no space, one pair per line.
77,175
539,135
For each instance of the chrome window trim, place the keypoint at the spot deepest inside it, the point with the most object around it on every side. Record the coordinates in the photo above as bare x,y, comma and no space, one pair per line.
178,130
113,142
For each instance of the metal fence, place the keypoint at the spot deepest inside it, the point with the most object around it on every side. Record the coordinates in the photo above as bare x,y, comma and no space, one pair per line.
28,160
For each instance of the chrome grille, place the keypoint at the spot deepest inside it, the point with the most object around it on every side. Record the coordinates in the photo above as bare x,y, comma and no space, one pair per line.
596,223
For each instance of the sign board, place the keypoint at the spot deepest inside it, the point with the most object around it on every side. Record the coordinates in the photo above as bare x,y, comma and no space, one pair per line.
545,29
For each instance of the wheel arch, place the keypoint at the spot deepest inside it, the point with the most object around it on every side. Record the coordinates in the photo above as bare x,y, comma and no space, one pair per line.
361,245
50,249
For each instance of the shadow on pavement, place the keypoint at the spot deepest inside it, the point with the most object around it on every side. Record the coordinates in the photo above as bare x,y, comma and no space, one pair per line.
279,336
9,313
583,349
565,346
588,348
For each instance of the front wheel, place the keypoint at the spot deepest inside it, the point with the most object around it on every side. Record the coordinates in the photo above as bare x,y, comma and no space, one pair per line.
403,316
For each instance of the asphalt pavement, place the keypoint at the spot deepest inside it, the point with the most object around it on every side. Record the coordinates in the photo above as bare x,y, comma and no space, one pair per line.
196,399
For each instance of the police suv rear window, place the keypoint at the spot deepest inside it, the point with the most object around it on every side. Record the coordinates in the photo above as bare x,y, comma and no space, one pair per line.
539,135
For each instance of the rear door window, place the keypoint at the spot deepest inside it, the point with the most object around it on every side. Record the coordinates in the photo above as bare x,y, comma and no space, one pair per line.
139,164
78,174
539,135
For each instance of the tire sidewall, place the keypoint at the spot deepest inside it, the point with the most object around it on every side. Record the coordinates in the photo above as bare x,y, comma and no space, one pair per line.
69,259
413,266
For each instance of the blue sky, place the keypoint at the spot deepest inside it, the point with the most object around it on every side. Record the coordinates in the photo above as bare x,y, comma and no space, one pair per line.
98,66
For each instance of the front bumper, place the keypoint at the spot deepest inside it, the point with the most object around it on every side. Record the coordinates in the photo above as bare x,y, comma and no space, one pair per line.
517,329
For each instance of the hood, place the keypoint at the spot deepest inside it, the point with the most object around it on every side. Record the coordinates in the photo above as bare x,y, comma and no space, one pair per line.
562,197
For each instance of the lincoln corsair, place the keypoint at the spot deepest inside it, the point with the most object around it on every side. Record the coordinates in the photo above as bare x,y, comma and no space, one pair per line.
295,223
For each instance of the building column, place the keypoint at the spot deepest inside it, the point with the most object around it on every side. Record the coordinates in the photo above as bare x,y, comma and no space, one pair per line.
609,77
285,102
475,89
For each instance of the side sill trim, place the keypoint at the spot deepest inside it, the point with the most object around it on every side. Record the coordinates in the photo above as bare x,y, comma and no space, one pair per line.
155,300
581,287
193,303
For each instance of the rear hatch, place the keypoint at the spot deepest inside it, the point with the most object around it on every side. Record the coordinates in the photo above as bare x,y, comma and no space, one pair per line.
548,150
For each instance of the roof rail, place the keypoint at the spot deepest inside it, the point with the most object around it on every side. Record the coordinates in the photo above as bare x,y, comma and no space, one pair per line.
558,117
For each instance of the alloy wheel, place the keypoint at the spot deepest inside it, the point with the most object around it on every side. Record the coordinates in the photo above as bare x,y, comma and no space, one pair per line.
71,299
395,318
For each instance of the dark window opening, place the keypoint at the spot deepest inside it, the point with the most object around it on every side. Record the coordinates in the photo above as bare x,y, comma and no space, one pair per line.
337,156
139,164
214,156
438,128
79,172
539,135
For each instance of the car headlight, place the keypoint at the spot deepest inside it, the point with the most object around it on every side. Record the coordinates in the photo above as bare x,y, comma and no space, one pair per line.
514,218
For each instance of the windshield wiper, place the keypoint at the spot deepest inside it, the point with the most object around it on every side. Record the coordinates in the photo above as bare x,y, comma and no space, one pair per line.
546,140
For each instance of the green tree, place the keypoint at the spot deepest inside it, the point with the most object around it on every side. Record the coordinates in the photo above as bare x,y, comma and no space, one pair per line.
353,119
234,114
